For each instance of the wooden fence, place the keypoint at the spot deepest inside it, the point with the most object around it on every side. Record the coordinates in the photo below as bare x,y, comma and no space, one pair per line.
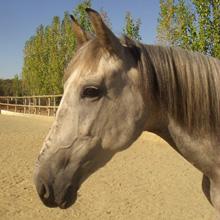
42,105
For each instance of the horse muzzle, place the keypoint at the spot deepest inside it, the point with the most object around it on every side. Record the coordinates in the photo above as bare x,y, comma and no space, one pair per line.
53,197
59,192
57,180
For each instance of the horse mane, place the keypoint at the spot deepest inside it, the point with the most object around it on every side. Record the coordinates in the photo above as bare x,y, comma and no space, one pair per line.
186,84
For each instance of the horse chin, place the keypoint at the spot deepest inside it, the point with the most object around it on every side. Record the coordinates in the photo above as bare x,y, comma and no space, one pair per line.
71,193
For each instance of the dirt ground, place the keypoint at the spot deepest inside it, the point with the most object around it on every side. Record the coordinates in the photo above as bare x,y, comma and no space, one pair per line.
149,181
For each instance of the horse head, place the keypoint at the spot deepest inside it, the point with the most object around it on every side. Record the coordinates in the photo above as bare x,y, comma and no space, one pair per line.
102,111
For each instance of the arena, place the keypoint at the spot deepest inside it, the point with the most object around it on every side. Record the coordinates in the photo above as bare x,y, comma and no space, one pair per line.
147,181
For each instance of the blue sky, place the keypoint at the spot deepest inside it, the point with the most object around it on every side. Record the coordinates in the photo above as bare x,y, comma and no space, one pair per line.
20,18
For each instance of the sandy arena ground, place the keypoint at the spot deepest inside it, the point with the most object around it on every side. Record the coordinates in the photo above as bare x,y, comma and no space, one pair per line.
149,181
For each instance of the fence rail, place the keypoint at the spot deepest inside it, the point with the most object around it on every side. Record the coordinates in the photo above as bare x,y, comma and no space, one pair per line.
42,104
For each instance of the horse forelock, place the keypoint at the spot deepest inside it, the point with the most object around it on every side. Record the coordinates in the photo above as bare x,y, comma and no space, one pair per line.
86,58
187,86
89,55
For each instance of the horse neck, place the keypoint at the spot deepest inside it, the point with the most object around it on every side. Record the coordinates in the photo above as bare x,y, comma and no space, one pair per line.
186,86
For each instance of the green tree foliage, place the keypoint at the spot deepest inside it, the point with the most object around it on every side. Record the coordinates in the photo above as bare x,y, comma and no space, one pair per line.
191,24
47,53
55,65
132,27
16,86
34,72
6,87
11,87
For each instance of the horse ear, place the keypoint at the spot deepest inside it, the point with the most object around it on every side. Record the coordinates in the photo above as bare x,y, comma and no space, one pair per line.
105,36
81,36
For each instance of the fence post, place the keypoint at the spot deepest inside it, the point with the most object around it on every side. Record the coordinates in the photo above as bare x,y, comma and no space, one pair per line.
39,105
29,103
7,104
54,105
35,103
24,103
48,109
16,102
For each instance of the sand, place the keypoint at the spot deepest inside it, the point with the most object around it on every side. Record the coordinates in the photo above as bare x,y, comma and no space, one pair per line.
149,181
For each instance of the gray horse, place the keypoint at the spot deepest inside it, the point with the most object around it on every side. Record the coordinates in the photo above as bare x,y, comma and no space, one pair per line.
116,89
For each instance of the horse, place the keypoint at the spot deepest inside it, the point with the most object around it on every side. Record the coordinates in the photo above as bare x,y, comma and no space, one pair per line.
114,89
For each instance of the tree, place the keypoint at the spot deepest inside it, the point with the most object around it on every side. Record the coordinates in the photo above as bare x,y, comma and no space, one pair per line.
132,27
35,63
55,64
6,87
193,25
47,53
16,86
29,67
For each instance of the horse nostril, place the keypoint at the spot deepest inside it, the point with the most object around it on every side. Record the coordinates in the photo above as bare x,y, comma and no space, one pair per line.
45,191
41,190
69,198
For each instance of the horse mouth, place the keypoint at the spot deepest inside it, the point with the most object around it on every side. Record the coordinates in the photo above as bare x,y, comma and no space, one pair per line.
53,199
69,199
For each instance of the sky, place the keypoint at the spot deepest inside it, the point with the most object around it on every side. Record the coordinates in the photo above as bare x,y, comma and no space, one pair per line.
20,18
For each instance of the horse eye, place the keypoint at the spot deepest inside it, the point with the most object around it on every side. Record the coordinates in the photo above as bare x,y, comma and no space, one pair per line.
91,92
